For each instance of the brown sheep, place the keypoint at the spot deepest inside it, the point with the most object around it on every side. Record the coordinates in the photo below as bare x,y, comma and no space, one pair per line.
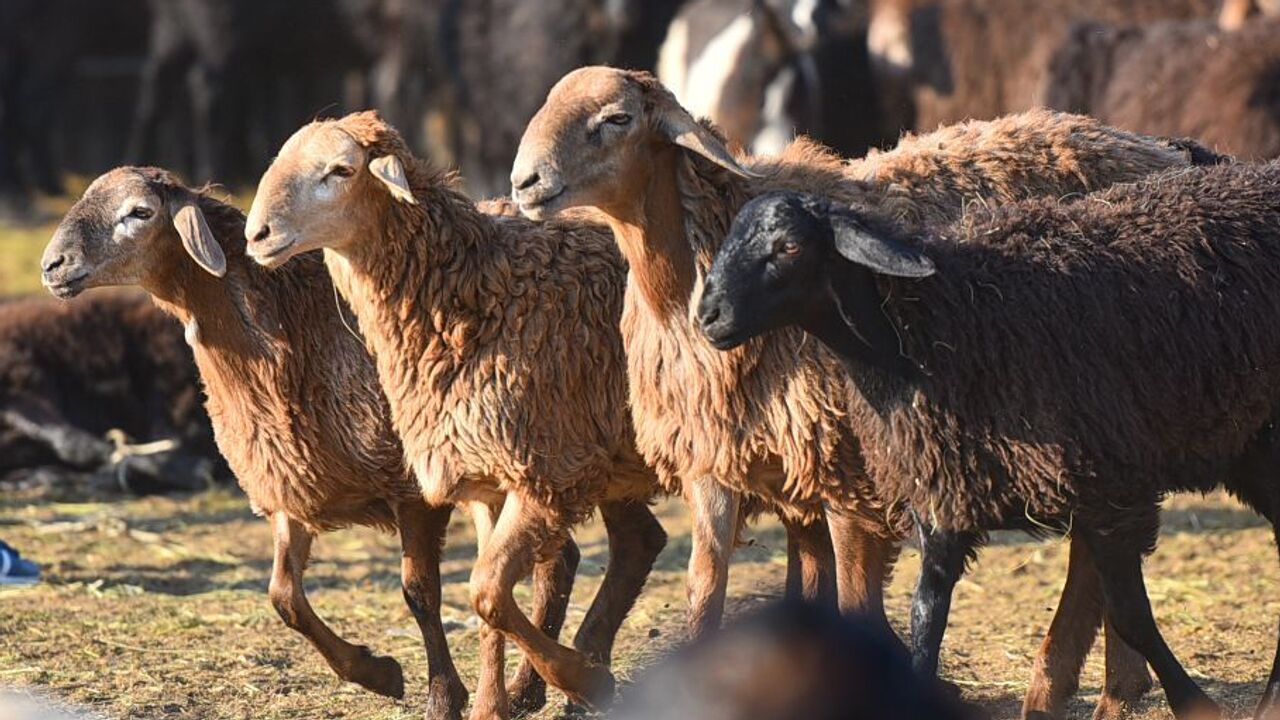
770,419
1176,78
58,403
495,341
980,59
294,399
1047,363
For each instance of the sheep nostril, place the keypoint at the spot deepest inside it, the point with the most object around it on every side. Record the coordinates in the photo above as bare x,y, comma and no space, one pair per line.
710,315
263,233
55,263
526,182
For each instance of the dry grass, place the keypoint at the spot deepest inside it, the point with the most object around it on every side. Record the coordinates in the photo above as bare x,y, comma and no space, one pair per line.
157,608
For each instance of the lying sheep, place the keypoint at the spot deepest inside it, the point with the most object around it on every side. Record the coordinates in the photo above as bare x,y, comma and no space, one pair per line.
1063,365
496,345
770,419
294,399
1189,79
58,403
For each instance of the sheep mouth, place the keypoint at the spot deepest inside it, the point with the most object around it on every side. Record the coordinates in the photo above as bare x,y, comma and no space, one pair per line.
66,288
271,252
724,338
539,206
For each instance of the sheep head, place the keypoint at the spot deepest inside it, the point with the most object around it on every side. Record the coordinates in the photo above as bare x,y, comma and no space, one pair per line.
331,181
776,266
594,140
125,229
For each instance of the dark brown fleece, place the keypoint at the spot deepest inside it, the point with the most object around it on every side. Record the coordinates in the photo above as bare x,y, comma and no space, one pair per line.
1177,78
1089,357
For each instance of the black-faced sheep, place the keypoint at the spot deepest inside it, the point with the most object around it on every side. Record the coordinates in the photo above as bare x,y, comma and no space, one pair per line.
58,403
770,419
1041,363
1176,78
294,399
496,343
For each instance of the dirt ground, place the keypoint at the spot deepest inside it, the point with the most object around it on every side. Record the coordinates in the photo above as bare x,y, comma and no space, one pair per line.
157,608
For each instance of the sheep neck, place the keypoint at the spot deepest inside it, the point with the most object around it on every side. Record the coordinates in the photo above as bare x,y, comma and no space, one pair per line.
651,236
401,286
213,310
853,325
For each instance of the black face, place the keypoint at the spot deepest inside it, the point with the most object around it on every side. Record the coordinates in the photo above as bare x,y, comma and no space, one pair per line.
769,272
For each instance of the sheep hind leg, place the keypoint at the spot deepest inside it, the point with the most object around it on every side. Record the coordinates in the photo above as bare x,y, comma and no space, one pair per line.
1269,704
351,662
1119,563
552,585
635,539
811,562
714,508
864,562
1055,675
422,531
523,529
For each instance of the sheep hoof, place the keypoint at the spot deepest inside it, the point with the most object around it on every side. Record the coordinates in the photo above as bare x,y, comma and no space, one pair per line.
528,693
446,699
599,687
379,674
1117,703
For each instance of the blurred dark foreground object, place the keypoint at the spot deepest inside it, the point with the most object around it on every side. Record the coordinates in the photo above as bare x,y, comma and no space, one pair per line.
791,661
103,385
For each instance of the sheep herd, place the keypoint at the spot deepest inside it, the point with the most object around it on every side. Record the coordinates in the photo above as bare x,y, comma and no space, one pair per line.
1038,322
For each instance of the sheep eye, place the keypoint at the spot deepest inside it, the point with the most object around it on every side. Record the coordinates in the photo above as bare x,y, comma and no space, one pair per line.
787,247
141,212
618,119
341,171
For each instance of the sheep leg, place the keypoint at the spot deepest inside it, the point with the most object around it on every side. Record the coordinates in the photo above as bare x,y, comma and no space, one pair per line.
1269,704
864,562
635,539
422,530
1056,674
354,663
491,691
715,528
552,585
522,531
1119,563
1127,679
811,563
942,560
42,423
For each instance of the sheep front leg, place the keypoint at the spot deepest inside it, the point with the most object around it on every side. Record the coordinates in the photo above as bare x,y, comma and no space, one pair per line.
552,585
714,508
351,662
864,561
422,531
635,539
942,560
1118,558
811,563
491,687
522,530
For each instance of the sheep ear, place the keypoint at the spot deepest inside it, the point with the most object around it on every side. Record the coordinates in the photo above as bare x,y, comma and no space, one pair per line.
680,128
197,238
881,254
390,172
